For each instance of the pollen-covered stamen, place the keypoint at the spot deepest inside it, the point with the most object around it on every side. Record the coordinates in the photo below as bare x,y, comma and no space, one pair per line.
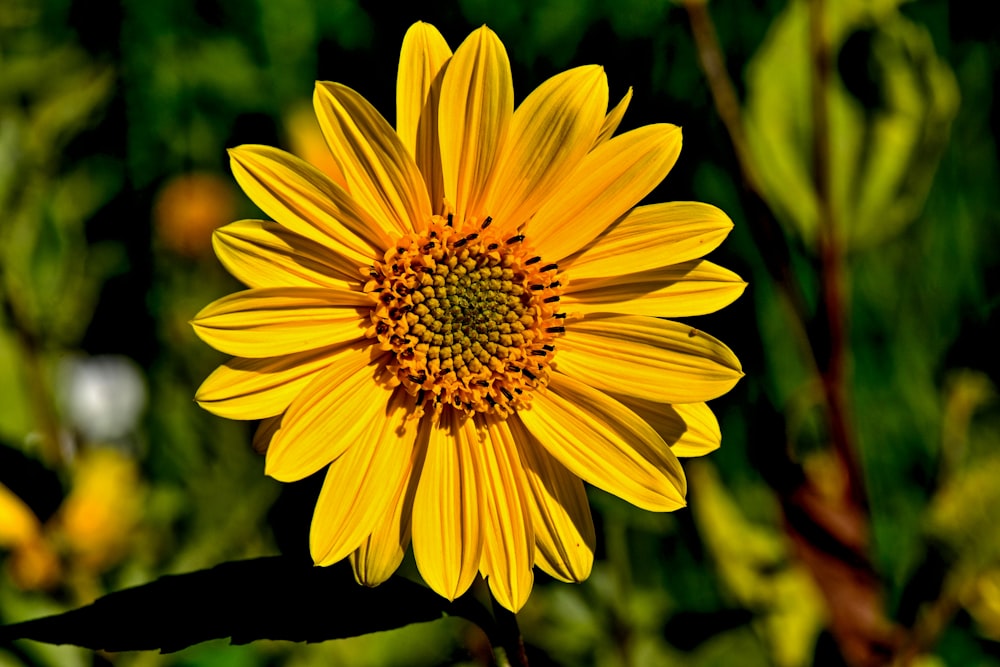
468,314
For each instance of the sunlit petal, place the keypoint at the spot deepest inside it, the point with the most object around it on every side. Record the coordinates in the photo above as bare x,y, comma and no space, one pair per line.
381,174
606,444
422,61
648,358
608,181
477,103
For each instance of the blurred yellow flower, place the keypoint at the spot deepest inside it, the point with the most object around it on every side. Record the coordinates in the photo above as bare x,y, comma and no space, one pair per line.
468,330
33,564
188,208
97,518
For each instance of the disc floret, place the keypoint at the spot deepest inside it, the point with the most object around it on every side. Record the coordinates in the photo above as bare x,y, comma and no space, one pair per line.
469,315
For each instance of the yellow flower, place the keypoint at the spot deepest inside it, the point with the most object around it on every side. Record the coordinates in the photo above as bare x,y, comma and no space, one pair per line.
467,331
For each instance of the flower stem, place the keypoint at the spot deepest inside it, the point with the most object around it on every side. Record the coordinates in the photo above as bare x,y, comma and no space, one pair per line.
510,652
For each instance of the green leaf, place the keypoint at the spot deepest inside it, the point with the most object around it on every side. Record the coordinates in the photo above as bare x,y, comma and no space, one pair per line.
889,119
264,598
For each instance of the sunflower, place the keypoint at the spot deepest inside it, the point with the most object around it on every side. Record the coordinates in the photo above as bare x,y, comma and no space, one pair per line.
461,325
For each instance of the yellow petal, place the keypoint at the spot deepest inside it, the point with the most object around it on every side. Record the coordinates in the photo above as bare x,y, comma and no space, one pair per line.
609,181
362,482
648,358
603,442
550,133
327,417
560,512
306,201
18,524
264,254
477,102
272,321
381,553
680,290
260,388
422,61
380,172
649,237
509,541
689,428
265,431
613,119
447,511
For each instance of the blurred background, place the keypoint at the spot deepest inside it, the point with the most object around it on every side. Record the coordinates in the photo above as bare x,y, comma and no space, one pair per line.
849,517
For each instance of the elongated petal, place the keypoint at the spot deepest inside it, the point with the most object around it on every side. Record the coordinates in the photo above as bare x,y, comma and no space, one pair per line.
361,484
509,540
271,321
559,510
648,358
550,133
422,61
306,201
447,511
649,237
690,429
380,172
609,181
380,553
265,431
613,119
261,253
328,416
600,440
260,388
477,102
680,290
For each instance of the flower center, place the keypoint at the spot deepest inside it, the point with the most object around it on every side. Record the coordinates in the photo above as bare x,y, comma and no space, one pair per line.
469,316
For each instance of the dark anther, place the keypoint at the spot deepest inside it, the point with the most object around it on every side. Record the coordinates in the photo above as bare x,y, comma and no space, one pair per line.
556,329
490,399
396,269
381,328
468,405
394,314
451,218
472,237
529,374
406,355
402,290
548,347
407,308
400,251
432,235
513,369
387,298
538,288
493,246
560,316
538,353
506,394
417,379
373,273
482,383
517,390
428,246
515,239
533,260
551,299
549,267
420,397
461,242
554,284
486,222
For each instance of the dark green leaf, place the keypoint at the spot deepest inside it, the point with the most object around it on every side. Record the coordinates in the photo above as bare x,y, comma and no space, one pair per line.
264,598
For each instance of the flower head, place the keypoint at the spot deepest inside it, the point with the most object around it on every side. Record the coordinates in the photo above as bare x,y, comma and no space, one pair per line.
462,327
